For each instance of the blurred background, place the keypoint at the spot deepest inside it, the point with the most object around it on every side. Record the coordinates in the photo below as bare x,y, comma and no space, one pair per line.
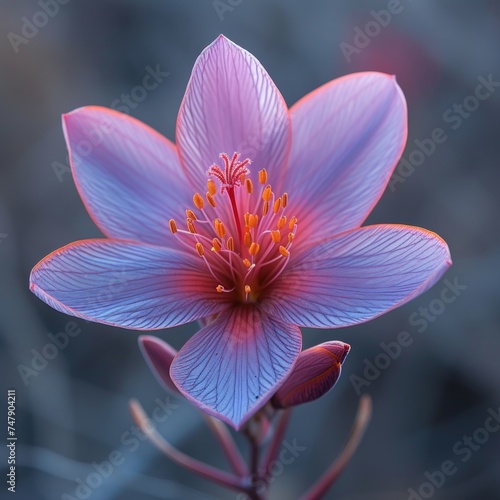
430,404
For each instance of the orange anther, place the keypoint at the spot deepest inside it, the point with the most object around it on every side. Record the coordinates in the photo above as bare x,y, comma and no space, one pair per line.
217,245
172,225
284,200
230,244
291,236
263,176
198,201
267,194
254,248
190,226
220,229
212,188
246,263
210,199
265,208
277,205
284,251
219,288
190,215
248,289
276,236
249,186
199,249
292,222
281,222
253,220
247,239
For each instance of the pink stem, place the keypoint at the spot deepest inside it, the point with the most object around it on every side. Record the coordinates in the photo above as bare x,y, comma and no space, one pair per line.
208,472
334,471
276,441
228,446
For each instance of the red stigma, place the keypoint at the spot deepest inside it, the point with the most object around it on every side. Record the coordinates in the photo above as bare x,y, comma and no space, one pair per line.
234,171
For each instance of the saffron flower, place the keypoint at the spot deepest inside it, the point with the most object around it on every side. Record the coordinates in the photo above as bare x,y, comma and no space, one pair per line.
252,220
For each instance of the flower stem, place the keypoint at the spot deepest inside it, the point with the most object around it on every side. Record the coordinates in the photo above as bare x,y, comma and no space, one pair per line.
228,446
331,475
276,441
204,470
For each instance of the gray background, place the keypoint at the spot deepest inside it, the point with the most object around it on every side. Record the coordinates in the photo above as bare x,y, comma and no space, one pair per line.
74,412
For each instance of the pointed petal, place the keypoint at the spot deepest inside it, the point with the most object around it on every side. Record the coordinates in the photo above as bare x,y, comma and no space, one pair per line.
231,105
357,276
232,367
316,372
128,175
124,284
159,356
347,139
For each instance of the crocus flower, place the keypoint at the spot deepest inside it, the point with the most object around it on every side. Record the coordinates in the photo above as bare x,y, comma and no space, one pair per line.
253,218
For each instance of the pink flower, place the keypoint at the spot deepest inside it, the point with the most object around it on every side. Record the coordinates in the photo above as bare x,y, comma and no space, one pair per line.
267,240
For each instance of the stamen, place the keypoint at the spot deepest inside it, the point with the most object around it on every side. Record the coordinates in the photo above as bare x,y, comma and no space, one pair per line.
217,246
191,215
219,288
248,290
212,188
284,251
190,226
249,186
172,225
276,236
263,176
277,205
254,248
253,220
267,193
292,222
200,249
246,263
265,208
281,222
284,200
220,229
210,199
291,236
247,239
230,244
198,201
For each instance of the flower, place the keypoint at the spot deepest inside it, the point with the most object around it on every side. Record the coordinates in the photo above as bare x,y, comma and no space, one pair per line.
252,220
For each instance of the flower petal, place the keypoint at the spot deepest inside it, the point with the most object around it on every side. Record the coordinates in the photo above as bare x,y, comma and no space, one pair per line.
348,136
159,356
315,373
231,105
232,367
357,276
128,175
125,284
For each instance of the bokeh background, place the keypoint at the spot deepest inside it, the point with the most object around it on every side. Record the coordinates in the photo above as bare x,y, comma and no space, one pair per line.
73,411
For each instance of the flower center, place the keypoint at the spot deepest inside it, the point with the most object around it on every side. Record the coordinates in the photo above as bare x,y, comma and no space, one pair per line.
241,233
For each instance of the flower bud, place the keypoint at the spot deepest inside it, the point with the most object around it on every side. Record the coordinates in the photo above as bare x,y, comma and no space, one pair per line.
159,356
315,372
